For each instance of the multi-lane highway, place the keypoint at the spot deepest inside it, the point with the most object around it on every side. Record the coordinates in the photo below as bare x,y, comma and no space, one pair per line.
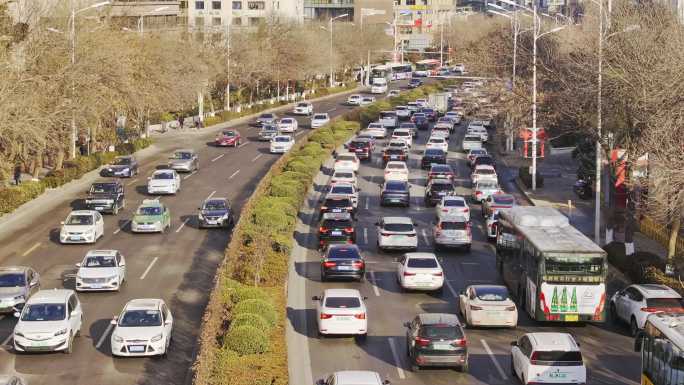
178,266
607,349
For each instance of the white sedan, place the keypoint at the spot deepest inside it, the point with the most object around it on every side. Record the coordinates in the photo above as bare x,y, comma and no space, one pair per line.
403,134
320,120
452,205
398,144
341,312
354,100
396,170
420,271
396,233
82,226
101,270
281,144
346,161
303,108
366,100
344,176
488,305
288,125
142,329
377,130
164,182
438,142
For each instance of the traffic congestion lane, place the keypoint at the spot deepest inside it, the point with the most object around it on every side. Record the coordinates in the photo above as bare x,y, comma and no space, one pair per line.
177,266
607,352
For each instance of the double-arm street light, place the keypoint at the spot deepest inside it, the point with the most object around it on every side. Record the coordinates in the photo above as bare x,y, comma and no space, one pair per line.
330,28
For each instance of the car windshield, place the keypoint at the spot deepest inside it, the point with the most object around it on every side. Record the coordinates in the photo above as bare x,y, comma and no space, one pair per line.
12,280
342,302
661,303
436,140
140,318
476,153
394,151
434,152
487,185
320,117
441,332
163,175
399,227
266,116
562,268
454,203
384,115
407,125
503,200
442,187
228,133
344,252
444,120
419,115
440,169
336,224
269,129
344,175
485,171
337,203
342,190
215,205
400,108
44,312
282,139
400,144
375,125
396,166
303,105
149,210
470,138
396,186
80,220
122,161
422,262
358,143
453,225
494,293
367,99
182,155
100,188
401,133
428,110
99,261
552,356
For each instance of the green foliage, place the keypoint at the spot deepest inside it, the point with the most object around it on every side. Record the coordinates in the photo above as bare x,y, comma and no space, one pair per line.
634,266
243,293
256,306
324,136
15,196
249,319
246,340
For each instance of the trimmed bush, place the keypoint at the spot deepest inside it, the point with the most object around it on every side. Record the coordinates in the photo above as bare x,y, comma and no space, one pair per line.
247,340
256,306
304,164
15,196
526,178
324,136
243,293
248,319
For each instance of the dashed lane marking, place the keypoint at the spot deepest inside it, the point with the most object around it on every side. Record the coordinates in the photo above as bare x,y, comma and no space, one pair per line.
397,363
211,195
496,363
423,232
7,340
374,283
149,268
31,249
189,175
332,109
122,226
218,157
103,336
451,289
233,174
367,203
183,224
298,133
257,157
243,144
365,236
131,182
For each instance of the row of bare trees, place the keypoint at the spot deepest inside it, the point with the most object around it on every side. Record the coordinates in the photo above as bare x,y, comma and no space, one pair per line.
643,80
118,72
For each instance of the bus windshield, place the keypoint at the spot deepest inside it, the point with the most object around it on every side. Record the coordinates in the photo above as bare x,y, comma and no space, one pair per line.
574,269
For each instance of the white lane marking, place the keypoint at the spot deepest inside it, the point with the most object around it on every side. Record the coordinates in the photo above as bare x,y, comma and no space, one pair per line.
365,236
496,363
243,144
299,133
183,224
30,250
218,157
375,283
191,174
257,157
103,336
122,226
470,263
8,339
211,195
149,268
397,363
332,109
367,203
131,182
451,289
423,232
233,174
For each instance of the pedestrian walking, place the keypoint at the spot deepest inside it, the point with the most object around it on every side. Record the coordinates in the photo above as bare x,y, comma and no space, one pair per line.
17,175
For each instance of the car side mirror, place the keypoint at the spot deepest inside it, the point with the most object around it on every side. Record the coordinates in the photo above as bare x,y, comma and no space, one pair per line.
377,223
74,313
167,322
386,382
462,292
114,321
122,264
514,343
315,298
365,298
78,264
407,324
61,223
149,178
34,283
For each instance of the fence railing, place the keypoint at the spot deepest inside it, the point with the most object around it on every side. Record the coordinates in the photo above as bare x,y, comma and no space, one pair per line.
661,234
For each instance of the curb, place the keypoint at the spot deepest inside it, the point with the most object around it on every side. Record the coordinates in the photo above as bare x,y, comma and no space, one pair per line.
518,183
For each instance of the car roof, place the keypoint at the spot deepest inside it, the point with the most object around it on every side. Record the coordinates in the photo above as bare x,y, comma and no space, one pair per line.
162,171
341,293
657,291
454,198
482,287
438,318
357,377
184,150
401,129
150,203
438,166
143,304
282,136
547,341
82,212
216,199
101,252
125,157
50,296
502,195
484,166
405,220
13,269
420,255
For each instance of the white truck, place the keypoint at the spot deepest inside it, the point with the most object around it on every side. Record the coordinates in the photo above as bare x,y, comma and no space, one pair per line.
440,102
379,86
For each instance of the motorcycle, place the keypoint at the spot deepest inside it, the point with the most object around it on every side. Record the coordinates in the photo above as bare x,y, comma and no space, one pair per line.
582,188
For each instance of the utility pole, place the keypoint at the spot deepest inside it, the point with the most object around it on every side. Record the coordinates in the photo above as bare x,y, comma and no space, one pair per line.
227,103
535,26
599,124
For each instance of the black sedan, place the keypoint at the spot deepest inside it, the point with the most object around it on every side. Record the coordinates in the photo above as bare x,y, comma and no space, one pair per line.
215,212
421,121
432,155
336,228
395,192
436,190
342,261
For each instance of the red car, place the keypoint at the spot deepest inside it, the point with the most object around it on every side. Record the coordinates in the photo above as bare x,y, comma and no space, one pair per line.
228,138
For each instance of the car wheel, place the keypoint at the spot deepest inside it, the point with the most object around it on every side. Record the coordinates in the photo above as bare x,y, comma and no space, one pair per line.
613,313
115,211
70,345
513,373
464,368
361,338
467,249
633,328
415,367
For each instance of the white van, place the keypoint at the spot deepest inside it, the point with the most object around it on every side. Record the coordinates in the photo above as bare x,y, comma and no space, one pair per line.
379,86
548,358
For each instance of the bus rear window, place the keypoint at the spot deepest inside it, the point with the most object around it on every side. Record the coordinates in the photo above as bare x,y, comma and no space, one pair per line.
588,271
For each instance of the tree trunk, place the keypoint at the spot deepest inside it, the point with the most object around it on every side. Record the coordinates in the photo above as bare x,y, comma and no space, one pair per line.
674,235
59,159
36,165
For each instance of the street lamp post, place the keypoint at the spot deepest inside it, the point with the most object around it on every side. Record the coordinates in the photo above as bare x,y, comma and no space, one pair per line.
332,72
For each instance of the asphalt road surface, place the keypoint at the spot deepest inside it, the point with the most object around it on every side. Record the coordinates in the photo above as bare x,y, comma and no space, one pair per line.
178,266
606,348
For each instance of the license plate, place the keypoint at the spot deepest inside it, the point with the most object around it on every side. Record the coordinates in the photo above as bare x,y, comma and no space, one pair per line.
136,348
346,268
39,343
394,157
336,233
394,200
442,346
99,208
96,286
337,210
75,238
572,317
423,278
343,318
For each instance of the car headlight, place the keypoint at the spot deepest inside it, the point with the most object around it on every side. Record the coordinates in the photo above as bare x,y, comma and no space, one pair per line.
156,338
158,223
200,216
117,338
125,169
90,231
225,216
61,332
113,278
19,334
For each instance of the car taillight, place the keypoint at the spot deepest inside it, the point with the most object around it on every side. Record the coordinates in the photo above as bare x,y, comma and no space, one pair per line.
473,307
649,309
408,274
322,229
329,264
385,234
461,342
349,230
358,264
326,316
445,210
478,192
324,208
410,235
468,229
438,274
360,316
510,308
465,210
422,341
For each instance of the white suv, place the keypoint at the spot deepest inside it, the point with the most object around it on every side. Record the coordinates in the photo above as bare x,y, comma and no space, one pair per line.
341,311
48,322
397,233
547,358
633,304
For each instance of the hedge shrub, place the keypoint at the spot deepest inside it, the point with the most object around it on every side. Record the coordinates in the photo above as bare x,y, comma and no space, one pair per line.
243,293
256,306
249,319
247,340
526,178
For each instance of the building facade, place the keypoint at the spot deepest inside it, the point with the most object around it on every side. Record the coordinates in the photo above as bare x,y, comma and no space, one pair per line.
203,15
321,10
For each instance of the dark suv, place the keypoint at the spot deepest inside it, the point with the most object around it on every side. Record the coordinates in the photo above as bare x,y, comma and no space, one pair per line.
421,121
337,205
430,113
336,228
432,155
436,190
440,171
390,154
106,197
363,148
395,192
342,261
436,339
